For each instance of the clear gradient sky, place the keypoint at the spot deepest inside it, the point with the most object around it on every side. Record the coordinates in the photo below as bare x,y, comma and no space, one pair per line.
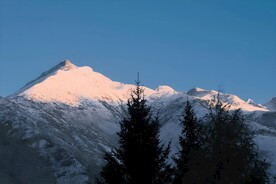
180,43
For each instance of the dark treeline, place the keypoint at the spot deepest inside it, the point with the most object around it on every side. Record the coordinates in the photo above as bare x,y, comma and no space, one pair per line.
216,149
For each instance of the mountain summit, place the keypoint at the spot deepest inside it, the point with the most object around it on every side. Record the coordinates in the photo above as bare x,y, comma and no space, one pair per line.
66,65
69,84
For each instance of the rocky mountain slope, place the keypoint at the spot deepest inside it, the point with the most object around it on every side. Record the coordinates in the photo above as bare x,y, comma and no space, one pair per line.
271,105
69,115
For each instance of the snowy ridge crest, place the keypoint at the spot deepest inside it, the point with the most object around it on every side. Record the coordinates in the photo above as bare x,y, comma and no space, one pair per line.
165,89
68,84
64,65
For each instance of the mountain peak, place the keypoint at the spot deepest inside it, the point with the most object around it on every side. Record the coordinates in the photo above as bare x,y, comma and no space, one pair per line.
65,65
69,84
164,89
67,61
195,91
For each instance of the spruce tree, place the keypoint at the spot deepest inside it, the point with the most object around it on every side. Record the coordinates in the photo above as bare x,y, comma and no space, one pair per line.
140,158
191,141
223,152
231,154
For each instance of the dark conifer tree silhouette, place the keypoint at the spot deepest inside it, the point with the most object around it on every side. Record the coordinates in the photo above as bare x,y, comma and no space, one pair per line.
191,141
231,154
140,158
220,152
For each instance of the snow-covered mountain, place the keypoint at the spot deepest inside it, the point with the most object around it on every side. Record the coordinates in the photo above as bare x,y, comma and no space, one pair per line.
69,84
69,115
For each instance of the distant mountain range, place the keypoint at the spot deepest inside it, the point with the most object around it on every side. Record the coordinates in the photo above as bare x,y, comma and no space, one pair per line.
55,129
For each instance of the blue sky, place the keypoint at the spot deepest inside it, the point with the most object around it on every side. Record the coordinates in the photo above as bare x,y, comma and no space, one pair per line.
229,44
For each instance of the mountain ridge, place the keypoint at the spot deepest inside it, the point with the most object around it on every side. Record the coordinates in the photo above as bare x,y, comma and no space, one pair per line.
64,65
74,134
70,84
